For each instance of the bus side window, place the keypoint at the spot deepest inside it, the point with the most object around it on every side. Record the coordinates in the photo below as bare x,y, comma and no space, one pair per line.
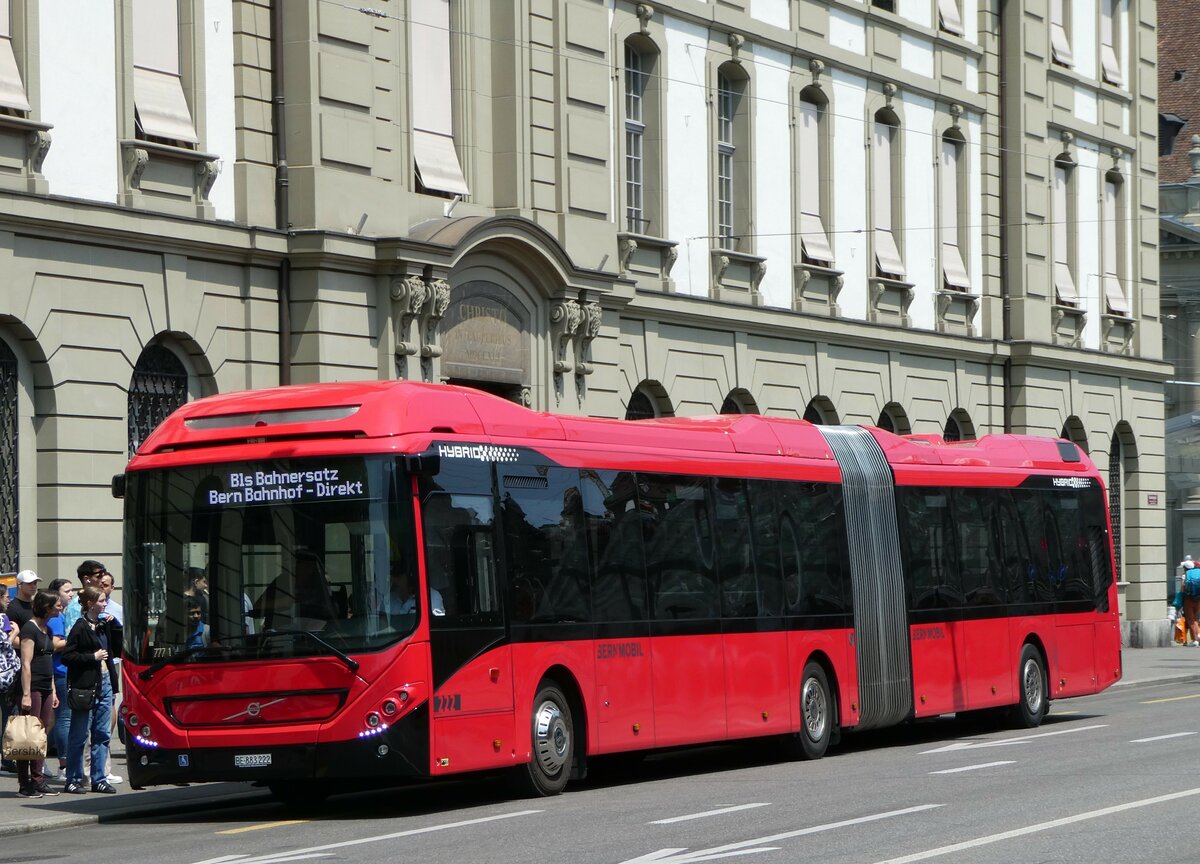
459,557
764,528
680,547
735,551
613,524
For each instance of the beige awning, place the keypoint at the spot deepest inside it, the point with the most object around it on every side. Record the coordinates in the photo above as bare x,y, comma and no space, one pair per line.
953,268
887,254
1064,285
1114,294
1060,46
162,109
814,240
951,20
437,163
1108,62
12,90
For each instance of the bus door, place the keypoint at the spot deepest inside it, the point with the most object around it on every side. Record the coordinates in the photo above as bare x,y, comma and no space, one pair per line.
687,650
979,517
472,702
1078,548
624,694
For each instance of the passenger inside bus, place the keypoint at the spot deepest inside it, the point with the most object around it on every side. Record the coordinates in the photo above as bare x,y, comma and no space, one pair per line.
402,595
300,599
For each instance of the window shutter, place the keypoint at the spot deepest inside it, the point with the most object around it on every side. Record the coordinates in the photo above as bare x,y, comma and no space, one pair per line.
951,19
162,109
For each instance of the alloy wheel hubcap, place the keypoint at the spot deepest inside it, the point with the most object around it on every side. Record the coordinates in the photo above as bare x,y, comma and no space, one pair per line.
551,736
812,703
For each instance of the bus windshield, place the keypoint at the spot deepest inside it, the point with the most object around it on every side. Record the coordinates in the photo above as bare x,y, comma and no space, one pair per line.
270,559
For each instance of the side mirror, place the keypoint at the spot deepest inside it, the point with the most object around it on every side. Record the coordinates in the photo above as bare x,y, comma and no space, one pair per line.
118,486
426,464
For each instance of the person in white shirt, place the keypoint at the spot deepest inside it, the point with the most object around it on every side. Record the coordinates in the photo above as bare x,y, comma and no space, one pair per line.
402,598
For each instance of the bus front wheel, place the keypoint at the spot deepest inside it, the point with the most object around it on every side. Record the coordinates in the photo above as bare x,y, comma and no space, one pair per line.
553,733
817,717
1033,699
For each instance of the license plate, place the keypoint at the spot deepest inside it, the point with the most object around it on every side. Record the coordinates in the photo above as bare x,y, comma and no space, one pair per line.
251,760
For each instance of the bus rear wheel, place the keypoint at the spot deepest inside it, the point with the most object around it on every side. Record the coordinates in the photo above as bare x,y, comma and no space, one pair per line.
1033,698
553,738
817,716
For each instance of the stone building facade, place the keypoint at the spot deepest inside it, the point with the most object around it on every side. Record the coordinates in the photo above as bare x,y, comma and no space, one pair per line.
924,214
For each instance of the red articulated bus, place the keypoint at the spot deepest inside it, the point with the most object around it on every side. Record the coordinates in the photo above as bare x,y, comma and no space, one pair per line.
415,580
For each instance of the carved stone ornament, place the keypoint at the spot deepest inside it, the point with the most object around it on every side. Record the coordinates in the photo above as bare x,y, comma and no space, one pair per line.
136,160
626,246
736,42
593,315
956,112
409,296
644,13
206,176
565,317
889,92
757,274
434,309
39,147
719,272
672,255
943,305
816,67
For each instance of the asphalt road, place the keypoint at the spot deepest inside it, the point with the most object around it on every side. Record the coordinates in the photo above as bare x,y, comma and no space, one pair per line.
1108,778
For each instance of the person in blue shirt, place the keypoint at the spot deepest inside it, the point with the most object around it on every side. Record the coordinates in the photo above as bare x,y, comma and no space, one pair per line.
65,591
89,573
197,630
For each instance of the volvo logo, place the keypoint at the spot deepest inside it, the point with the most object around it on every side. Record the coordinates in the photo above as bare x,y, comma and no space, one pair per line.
253,709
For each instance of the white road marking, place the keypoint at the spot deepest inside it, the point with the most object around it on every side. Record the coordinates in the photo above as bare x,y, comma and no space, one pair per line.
749,847
973,767
1041,826
963,745
707,813
323,851
1161,737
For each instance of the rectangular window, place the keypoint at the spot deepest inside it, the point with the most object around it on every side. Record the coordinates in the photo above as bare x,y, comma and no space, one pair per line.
1060,45
953,269
1062,231
438,168
887,253
613,523
810,161
950,17
1114,294
161,109
680,546
635,131
12,89
725,154
1109,63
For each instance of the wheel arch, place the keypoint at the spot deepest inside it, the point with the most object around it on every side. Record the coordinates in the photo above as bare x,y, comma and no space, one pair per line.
568,682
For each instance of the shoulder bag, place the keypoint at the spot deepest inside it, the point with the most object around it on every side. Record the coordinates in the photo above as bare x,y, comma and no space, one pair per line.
24,738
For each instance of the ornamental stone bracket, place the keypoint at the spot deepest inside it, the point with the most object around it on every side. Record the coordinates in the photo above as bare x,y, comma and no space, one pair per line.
1116,334
418,304
956,312
565,318
25,144
1066,325
574,325
816,289
167,177
890,300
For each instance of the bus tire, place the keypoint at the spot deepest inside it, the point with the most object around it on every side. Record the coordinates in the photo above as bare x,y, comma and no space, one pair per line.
553,738
817,717
1033,696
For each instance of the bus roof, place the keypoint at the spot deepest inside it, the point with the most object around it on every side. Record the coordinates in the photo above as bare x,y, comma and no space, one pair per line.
387,409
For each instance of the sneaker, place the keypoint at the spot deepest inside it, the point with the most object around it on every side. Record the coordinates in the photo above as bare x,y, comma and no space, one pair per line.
114,779
75,789
104,788
29,792
46,790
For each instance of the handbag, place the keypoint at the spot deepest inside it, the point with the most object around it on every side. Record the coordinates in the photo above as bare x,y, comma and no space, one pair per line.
24,738
79,699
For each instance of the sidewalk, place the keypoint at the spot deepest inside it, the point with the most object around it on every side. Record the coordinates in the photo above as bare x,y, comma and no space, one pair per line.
1142,666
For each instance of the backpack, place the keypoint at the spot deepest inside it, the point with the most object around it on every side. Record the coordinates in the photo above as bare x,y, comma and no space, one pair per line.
1191,582
10,660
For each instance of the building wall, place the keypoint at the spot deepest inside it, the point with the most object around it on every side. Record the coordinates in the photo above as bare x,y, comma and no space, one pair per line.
111,242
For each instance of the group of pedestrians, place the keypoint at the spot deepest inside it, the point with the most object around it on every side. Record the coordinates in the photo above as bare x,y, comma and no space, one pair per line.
68,643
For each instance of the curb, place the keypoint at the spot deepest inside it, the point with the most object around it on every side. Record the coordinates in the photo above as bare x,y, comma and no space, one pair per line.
54,820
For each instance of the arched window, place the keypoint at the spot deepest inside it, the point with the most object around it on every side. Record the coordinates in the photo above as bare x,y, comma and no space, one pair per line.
1115,474
893,419
640,407
959,427
739,402
1074,431
820,412
158,387
649,400
9,487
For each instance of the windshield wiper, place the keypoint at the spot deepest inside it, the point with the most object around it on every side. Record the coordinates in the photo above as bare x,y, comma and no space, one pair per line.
178,656
350,662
